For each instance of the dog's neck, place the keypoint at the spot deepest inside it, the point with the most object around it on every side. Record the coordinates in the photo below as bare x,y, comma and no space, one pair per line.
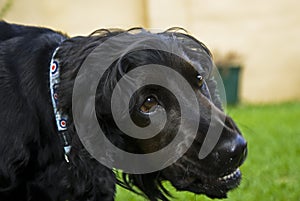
60,117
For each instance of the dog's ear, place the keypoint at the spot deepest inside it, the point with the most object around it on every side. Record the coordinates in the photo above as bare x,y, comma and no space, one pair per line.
87,179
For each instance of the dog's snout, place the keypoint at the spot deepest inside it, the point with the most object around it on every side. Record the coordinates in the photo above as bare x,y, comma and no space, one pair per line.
234,151
231,150
230,153
235,147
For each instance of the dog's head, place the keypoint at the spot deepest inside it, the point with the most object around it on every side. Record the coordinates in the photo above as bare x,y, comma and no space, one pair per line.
217,172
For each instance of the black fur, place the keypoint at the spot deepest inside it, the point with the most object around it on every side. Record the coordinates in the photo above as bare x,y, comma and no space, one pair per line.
32,164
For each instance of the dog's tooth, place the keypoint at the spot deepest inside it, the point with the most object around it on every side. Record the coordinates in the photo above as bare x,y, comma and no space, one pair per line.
231,175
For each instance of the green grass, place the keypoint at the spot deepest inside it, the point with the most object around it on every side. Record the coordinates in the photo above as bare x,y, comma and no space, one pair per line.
272,169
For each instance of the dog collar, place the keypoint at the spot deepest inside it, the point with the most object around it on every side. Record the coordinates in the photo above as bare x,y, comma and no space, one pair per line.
61,119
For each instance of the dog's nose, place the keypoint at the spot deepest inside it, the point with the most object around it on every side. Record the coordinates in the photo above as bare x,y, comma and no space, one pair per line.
237,146
231,149
232,152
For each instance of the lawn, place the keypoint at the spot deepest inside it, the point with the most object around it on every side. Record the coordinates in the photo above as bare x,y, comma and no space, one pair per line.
272,169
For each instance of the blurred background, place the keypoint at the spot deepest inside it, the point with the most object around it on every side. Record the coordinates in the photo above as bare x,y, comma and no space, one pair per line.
260,40
264,34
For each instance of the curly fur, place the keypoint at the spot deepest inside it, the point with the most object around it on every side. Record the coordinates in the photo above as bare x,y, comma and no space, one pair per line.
32,165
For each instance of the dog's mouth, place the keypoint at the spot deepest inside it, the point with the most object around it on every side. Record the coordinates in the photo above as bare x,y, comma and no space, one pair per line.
212,186
232,176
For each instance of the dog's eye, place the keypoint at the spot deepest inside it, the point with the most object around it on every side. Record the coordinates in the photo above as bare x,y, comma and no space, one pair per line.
200,80
149,104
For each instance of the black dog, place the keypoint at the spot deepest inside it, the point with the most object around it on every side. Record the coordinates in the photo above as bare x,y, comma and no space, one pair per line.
33,166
